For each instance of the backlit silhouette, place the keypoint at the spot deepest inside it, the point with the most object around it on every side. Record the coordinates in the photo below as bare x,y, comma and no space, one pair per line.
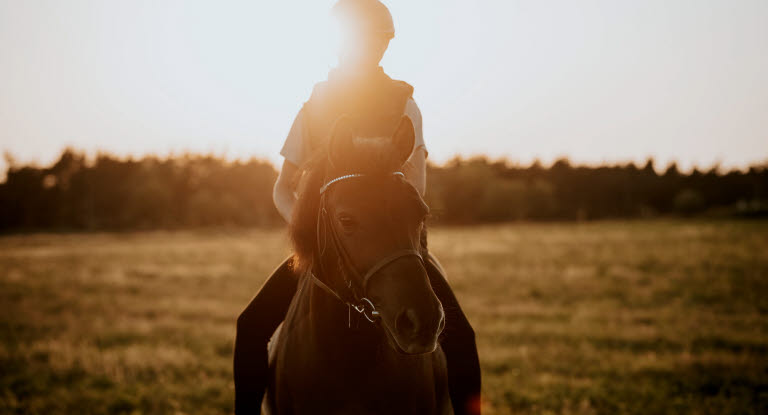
359,124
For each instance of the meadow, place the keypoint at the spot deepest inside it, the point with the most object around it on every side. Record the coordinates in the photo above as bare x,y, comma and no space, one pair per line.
626,317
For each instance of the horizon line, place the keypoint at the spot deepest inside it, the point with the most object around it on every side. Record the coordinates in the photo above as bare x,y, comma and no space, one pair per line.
9,160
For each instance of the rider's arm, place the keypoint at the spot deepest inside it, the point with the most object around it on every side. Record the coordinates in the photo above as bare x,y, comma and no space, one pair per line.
295,152
283,193
416,172
416,169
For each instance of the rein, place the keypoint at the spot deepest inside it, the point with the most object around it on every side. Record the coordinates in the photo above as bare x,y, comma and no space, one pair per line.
357,301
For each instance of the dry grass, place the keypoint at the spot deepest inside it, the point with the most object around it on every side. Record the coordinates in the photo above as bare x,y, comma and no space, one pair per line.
601,318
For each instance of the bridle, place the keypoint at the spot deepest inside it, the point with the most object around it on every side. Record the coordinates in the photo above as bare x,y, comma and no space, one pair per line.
356,299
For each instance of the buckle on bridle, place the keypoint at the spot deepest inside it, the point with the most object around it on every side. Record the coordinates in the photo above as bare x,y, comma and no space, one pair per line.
362,308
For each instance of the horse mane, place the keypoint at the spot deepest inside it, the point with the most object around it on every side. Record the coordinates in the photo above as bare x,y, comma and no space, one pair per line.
303,226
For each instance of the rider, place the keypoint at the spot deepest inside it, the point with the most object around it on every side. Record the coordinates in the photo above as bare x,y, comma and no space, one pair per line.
357,81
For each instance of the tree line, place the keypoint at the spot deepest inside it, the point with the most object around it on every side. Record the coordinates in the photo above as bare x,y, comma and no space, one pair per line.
110,193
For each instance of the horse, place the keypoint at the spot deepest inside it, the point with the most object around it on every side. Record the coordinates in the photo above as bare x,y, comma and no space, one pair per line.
361,334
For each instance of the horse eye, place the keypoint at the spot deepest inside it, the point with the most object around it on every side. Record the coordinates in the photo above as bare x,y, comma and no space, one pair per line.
347,222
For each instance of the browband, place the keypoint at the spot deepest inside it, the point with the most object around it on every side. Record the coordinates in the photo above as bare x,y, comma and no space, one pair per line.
350,176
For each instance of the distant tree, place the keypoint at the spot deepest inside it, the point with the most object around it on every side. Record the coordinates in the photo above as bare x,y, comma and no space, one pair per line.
110,193
688,202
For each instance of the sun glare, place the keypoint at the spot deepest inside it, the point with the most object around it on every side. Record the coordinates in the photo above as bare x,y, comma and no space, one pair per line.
618,82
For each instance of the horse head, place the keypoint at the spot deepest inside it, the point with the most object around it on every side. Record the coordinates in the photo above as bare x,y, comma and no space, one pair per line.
368,227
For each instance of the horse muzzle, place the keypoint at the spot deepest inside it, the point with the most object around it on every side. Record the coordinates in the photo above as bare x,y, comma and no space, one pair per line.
417,331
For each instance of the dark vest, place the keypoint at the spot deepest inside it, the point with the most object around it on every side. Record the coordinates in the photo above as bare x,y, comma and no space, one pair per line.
375,103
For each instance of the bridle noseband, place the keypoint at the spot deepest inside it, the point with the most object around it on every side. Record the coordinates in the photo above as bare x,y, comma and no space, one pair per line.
354,300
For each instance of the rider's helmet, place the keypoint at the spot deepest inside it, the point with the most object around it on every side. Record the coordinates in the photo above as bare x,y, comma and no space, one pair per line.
364,17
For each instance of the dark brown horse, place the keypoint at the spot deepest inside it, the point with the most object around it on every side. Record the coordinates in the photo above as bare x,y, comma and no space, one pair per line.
361,334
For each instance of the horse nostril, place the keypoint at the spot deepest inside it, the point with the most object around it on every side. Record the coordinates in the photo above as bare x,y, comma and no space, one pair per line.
407,323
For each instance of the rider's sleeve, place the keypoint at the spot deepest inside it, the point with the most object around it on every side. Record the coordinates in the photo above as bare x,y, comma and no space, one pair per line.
413,112
295,148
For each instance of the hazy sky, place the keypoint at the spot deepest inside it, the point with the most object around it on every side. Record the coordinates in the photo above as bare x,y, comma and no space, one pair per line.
593,80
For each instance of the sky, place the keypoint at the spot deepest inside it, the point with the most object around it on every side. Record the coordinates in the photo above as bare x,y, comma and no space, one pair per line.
596,81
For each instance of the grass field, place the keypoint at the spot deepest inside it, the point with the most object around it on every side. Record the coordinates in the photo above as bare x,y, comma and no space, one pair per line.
598,318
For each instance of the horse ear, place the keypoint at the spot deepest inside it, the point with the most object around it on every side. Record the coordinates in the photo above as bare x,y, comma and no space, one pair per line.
403,140
340,144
